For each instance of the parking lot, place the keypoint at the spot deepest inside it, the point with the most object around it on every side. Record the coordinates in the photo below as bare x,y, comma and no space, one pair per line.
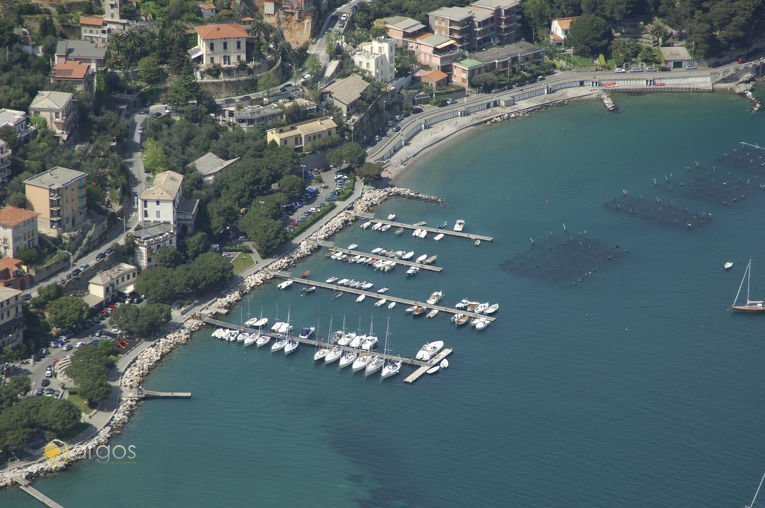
332,183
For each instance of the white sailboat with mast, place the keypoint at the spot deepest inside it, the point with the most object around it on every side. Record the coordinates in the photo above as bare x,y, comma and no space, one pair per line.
757,492
752,306
321,352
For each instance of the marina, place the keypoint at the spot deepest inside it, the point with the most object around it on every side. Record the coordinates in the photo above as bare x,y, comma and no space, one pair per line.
421,365
398,261
422,227
390,298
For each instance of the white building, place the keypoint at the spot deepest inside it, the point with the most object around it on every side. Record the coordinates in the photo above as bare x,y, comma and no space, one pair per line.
223,45
5,162
164,202
151,238
18,231
121,278
377,58
18,121
11,318
559,29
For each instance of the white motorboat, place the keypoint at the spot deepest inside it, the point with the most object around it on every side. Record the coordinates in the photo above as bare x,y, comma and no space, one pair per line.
367,285
291,346
391,216
331,280
333,355
347,359
438,237
250,321
284,285
252,339
412,271
410,309
435,297
276,326
433,313
307,332
433,369
408,255
421,258
357,340
352,246
481,324
376,226
390,368
444,363
377,250
460,320
491,309
416,232
342,282
260,323
360,298
361,362
278,345
382,290
459,225
373,365
429,350
344,339
423,233
369,343
385,227
391,305
366,225
381,302
482,308
262,340
242,336
477,243
728,265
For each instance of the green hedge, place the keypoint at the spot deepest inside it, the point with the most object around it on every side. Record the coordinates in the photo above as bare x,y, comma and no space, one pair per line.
311,220
238,248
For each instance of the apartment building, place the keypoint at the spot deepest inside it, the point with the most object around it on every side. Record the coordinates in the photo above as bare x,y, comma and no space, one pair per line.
11,318
300,134
164,202
151,238
482,24
59,195
18,121
118,279
435,51
345,93
84,52
377,58
5,162
18,230
496,59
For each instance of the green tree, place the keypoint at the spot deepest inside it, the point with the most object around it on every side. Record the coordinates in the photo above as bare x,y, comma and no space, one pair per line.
90,368
370,172
168,257
267,234
486,82
140,320
158,284
352,154
183,90
207,271
50,292
125,317
292,186
154,157
197,244
313,66
267,81
66,312
590,35
149,70
624,50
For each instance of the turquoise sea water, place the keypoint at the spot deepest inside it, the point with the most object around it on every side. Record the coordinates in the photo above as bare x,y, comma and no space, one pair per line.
634,389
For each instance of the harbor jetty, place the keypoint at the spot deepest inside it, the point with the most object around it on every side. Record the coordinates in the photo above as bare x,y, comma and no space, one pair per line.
608,102
444,231
399,261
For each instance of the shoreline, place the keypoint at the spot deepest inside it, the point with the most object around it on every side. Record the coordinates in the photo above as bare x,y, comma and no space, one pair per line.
147,359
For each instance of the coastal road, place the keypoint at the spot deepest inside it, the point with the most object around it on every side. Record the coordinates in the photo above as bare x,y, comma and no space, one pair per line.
385,144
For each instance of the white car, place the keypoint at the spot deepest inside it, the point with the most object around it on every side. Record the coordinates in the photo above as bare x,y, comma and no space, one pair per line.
620,69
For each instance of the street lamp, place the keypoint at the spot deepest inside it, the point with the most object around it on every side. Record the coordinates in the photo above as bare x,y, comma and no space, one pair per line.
124,224
302,167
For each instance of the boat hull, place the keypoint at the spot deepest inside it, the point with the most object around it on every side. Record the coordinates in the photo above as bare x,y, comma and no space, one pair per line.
750,309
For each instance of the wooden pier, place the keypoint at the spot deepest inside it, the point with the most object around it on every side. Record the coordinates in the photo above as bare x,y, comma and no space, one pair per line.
319,343
398,261
377,296
445,231
417,374
27,487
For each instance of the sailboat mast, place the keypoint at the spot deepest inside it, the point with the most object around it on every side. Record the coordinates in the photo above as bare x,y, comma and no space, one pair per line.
742,283
757,492
748,278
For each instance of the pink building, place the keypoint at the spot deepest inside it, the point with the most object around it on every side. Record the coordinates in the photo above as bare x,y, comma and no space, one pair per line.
435,51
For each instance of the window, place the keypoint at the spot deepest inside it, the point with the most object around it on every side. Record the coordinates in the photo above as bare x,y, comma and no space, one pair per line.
225,45
212,46
145,213
158,214
238,58
58,115
238,44
212,59
157,203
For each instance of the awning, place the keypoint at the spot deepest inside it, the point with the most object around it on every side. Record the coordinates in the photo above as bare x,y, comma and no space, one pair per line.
128,289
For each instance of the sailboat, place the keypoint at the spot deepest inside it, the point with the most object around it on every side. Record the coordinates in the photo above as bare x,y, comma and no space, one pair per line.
750,305
391,367
321,352
751,505
281,342
377,362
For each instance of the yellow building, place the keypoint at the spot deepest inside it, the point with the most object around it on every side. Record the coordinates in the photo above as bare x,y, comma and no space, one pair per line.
59,195
300,134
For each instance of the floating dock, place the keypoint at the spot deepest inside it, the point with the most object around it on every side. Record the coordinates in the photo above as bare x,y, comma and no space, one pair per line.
152,394
417,374
421,365
377,296
445,231
398,261
42,498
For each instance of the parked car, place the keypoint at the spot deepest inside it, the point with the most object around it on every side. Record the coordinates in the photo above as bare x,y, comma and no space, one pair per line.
441,104
45,382
620,69
75,273
39,392
396,128
416,110
67,347
100,256
109,251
